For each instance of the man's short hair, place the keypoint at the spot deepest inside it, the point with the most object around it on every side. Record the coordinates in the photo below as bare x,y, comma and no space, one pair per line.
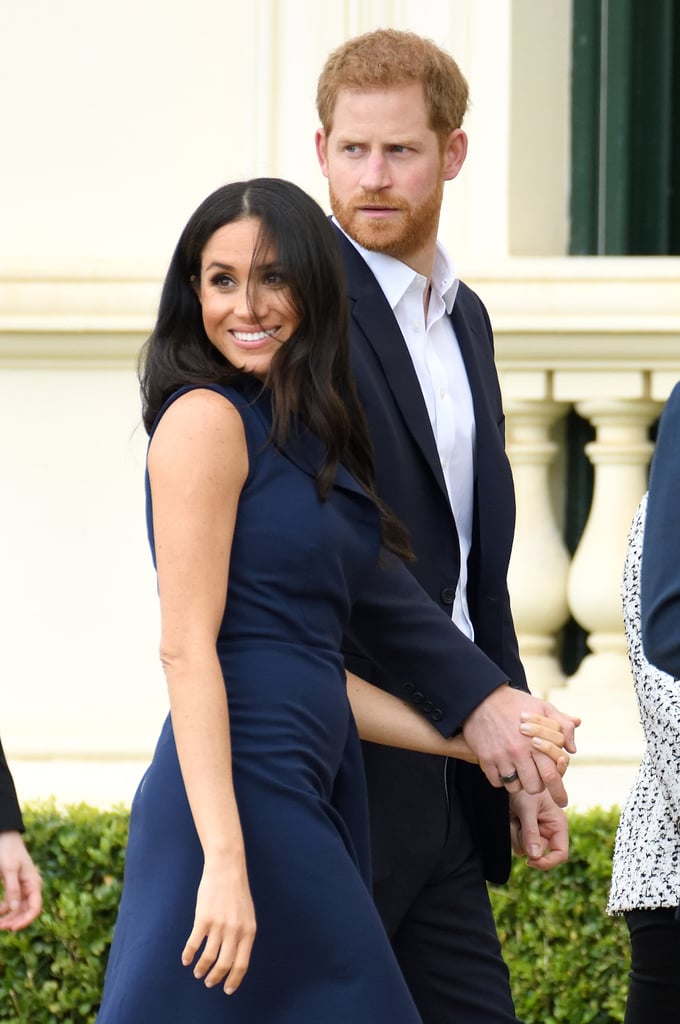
388,58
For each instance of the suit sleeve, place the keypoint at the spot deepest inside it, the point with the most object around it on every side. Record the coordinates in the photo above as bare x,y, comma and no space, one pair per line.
427,661
660,572
10,813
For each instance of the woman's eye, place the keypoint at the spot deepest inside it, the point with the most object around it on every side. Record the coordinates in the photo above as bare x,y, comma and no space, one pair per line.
222,280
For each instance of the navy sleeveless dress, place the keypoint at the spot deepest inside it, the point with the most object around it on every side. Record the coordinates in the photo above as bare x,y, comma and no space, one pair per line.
321,955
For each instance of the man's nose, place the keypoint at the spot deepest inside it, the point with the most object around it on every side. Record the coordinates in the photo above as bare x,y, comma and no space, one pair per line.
375,173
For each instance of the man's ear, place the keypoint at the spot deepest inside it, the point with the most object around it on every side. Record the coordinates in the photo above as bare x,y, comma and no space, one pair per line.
321,141
455,153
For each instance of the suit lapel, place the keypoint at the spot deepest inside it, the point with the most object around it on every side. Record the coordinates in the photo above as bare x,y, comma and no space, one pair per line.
493,477
470,347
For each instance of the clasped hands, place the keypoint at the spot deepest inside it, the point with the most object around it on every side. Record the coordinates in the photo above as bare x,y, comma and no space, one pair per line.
531,757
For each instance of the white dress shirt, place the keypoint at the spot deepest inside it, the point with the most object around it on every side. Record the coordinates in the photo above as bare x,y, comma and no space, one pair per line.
435,352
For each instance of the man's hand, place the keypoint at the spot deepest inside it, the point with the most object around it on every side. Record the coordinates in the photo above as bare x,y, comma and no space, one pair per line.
539,830
492,731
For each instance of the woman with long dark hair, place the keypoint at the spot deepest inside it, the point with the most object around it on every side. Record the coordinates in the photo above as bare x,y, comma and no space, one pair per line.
247,872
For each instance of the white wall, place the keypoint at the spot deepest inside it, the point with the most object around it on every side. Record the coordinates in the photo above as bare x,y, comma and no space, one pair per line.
118,118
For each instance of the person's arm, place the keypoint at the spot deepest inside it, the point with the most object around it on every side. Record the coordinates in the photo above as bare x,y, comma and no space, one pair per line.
445,676
10,812
658,693
660,570
385,719
198,463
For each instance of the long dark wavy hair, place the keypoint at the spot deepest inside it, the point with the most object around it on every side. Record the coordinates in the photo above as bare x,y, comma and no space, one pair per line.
310,375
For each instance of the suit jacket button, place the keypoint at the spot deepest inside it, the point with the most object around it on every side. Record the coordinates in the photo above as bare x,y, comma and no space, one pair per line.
437,715
447,595
409,687
427,707
418,697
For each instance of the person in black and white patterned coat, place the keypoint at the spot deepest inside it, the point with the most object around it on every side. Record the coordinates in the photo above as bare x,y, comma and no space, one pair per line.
645,883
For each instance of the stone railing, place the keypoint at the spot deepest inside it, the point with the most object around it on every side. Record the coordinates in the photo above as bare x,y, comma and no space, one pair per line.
602,337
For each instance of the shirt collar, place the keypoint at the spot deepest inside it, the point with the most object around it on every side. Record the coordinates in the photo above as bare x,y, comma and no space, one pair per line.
395,277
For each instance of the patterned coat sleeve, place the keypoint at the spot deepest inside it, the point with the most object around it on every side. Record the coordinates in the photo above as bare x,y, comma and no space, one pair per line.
646,865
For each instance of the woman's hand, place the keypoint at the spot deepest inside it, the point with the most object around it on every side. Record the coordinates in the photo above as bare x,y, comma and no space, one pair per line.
547,737
225,921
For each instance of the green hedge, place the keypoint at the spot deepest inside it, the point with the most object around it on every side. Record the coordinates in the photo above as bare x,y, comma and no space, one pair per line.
568,960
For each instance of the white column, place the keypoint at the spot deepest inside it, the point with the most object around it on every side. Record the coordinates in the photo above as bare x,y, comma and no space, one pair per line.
620,455
601,690
540,562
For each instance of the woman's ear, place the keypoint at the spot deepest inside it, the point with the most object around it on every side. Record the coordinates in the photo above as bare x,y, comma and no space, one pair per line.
193,280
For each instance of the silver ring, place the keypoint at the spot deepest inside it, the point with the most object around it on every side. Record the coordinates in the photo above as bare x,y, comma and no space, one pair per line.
507,779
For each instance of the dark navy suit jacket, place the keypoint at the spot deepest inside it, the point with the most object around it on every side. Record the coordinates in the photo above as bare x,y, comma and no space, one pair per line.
410,480
10,814
660,567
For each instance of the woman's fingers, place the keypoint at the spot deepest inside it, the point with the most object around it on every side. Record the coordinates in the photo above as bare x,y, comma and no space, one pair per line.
547,738
222,958
547,728
221,940
546,732
554,751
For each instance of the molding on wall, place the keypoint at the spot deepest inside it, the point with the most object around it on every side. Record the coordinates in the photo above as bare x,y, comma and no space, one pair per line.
626,308
90,321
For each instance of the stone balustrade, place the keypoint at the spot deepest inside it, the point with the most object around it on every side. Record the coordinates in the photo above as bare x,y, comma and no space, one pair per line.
601,337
